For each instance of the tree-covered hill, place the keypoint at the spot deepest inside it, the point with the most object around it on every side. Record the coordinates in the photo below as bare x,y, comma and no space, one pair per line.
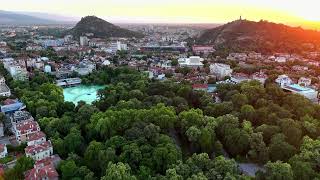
101,29
262,36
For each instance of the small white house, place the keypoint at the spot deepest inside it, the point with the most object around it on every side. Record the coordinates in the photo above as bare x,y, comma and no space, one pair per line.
3,150
304,81
283,80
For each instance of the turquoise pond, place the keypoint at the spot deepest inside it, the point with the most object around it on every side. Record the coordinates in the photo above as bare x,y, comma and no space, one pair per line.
84,93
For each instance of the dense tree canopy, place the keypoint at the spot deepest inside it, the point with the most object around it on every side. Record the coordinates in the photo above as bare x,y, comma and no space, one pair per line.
145,129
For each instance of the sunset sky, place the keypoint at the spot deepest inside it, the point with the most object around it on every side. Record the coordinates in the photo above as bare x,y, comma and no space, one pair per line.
294,12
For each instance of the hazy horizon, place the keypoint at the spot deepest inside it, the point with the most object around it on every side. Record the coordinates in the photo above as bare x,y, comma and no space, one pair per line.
291,12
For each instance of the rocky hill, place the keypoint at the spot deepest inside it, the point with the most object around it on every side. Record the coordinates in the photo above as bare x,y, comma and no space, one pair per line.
263,36
101,29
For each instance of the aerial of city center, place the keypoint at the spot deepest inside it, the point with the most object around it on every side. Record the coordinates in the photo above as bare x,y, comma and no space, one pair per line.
159,90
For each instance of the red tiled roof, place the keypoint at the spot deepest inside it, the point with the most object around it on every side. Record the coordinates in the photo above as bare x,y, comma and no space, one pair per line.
200,86
54,159
38,147
36,136
24,126
201,47
240,75
9,101
44,172
260,75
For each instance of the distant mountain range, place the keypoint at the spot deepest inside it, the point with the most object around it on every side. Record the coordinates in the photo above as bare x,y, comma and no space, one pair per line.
26,18
263,36
101,29
50,16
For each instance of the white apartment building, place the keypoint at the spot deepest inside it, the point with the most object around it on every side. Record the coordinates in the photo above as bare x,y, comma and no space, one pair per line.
39,151
16,71
237,56
36,138
220,70
192,62
118,46
24,128
4,89
283,80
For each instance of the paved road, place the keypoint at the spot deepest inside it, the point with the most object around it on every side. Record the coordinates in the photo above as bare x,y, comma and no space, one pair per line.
250,169
11,164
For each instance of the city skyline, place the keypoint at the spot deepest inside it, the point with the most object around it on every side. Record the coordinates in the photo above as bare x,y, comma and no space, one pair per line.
292,12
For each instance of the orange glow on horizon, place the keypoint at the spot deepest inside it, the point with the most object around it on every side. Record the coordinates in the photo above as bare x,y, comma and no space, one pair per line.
293,12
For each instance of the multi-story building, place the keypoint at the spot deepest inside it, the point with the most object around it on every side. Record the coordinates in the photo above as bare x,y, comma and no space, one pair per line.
220,70
192,62
47,172
24,128
118,46
39,151
34,48
36,138
4,89
237,56
19,116
52,42
254,55
197,49
237,78
44,169
260,76
17,71
85,68
283,80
